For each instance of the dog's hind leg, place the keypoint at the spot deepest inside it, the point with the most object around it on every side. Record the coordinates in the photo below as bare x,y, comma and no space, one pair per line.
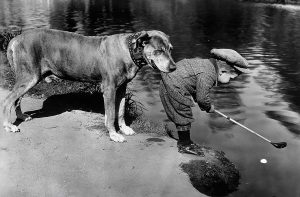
109,95
120,111
13,98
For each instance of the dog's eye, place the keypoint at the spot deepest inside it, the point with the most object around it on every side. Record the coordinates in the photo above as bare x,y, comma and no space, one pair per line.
158,52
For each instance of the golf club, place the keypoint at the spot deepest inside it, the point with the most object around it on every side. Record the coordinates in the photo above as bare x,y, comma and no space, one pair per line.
276,144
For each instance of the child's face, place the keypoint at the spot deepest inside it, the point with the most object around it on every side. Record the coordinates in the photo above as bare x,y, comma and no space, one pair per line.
225,74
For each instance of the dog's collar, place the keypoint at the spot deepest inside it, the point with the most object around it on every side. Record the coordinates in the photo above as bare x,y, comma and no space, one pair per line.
136,54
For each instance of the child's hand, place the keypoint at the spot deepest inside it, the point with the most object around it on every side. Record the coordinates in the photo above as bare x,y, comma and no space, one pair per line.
212,109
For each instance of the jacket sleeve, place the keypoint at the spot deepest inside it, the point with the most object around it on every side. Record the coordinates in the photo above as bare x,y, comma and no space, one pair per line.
204,83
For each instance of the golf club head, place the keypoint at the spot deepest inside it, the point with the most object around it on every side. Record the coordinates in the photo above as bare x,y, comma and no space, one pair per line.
279,144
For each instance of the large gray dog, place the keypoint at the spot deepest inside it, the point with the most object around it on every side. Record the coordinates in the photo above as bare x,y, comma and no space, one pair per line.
110,60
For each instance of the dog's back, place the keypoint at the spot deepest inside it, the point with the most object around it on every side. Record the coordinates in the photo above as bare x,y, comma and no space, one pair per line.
62,53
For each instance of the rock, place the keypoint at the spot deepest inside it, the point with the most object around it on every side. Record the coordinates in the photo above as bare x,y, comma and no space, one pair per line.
213,174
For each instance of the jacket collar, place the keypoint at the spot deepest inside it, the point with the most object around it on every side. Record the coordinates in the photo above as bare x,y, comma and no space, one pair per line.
136,54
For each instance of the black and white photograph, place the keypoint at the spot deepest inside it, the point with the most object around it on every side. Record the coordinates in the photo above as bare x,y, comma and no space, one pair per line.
149,98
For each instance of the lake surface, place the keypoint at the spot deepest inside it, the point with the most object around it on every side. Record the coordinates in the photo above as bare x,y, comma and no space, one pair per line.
266,100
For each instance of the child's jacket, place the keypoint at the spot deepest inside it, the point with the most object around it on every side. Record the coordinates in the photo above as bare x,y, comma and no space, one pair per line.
192,78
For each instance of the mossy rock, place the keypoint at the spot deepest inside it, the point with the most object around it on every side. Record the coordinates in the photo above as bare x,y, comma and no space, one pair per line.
212,174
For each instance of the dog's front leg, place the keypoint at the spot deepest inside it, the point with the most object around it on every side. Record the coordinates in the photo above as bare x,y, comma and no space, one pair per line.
120,106
109,95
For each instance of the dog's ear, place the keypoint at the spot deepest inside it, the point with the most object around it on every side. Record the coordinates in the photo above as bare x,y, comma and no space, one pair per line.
142,40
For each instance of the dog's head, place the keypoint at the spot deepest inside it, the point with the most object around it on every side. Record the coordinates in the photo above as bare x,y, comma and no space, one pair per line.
156,50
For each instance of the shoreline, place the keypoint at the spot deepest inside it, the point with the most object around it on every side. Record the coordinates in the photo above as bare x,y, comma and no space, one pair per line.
279,2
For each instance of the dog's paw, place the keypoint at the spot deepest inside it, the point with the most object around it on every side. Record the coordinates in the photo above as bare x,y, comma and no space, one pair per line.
8,127
117,137
127,130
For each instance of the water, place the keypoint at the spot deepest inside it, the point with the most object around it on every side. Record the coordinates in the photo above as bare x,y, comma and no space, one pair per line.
266,100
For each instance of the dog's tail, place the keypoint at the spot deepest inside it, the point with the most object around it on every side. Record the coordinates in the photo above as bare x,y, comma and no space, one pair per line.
7,75
6,34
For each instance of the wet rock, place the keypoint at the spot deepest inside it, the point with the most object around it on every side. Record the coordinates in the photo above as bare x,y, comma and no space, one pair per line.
213,174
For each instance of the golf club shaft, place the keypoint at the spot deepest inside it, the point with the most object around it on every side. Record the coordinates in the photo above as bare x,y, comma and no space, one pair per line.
227,117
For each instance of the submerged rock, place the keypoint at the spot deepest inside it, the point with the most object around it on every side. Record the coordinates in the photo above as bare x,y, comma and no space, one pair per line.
213,174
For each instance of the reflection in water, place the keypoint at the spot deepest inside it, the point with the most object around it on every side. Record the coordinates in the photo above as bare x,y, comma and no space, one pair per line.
266,100
102,17
226,99
291,121
279,88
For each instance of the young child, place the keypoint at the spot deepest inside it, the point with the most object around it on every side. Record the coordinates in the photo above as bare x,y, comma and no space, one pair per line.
192,80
